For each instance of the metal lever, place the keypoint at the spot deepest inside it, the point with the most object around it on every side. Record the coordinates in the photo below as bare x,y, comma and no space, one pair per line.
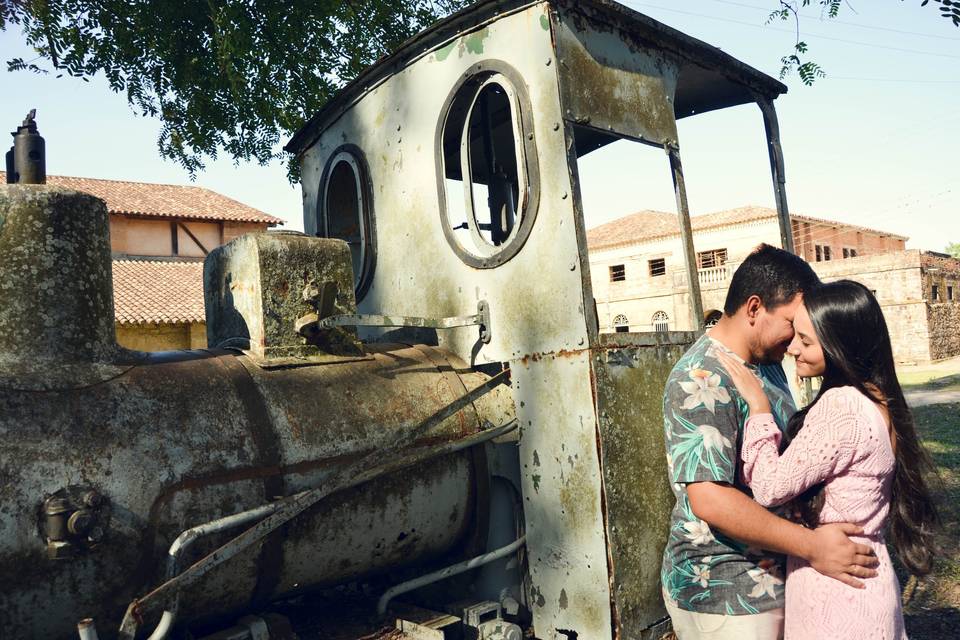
481,319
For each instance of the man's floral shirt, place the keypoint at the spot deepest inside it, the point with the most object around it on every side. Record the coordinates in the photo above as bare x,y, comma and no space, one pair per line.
703,418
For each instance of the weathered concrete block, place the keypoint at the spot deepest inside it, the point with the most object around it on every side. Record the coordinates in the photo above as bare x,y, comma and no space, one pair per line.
254,293
56,292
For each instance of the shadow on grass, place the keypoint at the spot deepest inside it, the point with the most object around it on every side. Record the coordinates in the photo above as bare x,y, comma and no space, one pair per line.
933,623
933,385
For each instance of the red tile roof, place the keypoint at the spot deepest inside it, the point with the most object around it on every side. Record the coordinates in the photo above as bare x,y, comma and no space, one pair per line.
649,225
158,291
162,200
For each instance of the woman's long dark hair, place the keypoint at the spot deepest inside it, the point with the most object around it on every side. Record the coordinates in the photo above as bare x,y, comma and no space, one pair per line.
856,348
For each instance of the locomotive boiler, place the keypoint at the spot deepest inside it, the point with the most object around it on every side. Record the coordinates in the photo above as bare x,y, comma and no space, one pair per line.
415,388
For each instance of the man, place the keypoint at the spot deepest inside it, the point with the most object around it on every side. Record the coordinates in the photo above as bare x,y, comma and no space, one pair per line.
722,573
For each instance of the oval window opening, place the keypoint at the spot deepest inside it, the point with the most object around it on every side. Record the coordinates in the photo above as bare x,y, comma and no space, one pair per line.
494,175
345,215
485,184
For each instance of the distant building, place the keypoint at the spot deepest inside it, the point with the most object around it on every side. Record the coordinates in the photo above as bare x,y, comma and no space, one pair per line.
159,235
640,282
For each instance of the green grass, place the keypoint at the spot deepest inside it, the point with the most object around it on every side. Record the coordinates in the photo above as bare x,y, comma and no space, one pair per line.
932,604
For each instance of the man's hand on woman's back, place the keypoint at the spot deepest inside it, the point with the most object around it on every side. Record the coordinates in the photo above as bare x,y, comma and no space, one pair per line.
832,553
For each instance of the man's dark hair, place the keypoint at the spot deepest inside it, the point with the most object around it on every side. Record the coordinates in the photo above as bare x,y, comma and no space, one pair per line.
773,275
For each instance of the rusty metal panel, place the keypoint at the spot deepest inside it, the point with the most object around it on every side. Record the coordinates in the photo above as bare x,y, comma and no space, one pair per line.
609,82
562,497
631,371
177,443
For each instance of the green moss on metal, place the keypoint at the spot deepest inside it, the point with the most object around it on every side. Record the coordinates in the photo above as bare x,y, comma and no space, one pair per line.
254,293
630,382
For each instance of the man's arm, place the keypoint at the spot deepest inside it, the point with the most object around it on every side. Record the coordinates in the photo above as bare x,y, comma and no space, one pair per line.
827,548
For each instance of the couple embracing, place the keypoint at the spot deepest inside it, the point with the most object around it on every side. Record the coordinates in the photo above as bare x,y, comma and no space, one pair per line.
781,515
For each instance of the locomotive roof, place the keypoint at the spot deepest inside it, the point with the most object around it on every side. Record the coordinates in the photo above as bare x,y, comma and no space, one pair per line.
709,78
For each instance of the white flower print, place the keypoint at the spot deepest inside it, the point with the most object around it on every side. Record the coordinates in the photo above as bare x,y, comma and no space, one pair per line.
712,438
766,582
701,574
703,388
698,532
670,464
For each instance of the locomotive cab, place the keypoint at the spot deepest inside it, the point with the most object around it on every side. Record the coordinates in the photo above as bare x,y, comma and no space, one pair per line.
463,147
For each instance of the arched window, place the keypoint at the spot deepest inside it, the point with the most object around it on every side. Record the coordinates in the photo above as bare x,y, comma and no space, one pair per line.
345,211
712,318
621,324
661,321
488,174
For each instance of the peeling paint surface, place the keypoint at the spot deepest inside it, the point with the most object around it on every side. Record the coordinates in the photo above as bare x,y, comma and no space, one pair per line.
174,445
631,372
612,84
562,496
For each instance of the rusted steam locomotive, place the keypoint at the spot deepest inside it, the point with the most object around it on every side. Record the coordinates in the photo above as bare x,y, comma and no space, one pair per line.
413,389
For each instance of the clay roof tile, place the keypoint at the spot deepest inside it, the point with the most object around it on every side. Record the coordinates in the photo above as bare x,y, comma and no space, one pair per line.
158,291
163,200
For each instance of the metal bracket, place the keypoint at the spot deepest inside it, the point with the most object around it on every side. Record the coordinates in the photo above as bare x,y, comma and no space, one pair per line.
481,319
74,518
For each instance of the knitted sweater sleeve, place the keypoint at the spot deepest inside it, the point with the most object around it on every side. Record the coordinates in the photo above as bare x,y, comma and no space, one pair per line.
825,447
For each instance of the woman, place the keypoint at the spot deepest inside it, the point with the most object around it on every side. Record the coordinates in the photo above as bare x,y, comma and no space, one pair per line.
853,457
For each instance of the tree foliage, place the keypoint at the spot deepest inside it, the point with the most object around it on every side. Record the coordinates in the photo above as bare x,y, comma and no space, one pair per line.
808,70
953,249
221,75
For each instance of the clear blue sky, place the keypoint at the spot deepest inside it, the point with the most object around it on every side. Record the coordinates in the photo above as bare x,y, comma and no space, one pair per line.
876,143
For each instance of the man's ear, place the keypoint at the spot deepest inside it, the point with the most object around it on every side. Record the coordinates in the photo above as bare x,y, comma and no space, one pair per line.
752,308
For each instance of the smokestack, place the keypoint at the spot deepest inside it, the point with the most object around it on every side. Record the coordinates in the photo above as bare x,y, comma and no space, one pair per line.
27,158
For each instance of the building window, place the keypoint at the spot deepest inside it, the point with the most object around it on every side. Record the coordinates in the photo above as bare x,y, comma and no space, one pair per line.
661,321
849,253
949,294
489,173
658,266
711,258
935,293
618,273
345,211
621,324
822,252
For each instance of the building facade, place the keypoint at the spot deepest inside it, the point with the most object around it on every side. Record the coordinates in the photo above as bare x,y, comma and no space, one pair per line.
640,282
159,236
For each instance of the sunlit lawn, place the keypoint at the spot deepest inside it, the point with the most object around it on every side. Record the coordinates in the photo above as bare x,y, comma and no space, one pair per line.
932,605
